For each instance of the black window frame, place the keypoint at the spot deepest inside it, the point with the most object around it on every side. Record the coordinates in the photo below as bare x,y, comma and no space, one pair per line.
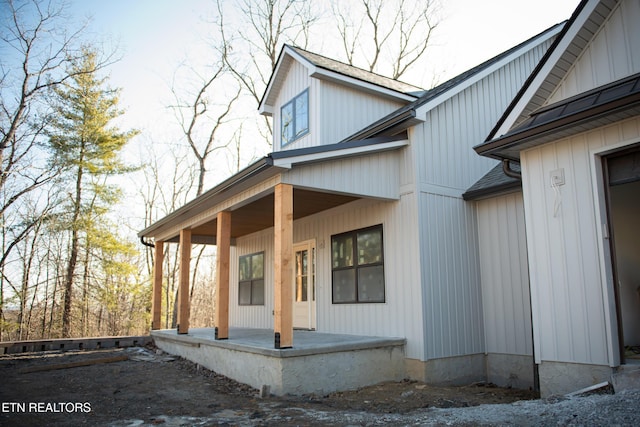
356,267
251,281
297,133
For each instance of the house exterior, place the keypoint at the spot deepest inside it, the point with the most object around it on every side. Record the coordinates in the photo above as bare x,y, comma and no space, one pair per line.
357,222
574,129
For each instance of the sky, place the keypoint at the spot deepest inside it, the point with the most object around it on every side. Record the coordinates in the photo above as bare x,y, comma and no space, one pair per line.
155,36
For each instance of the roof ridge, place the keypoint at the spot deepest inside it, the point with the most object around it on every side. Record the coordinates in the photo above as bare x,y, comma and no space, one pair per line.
304,52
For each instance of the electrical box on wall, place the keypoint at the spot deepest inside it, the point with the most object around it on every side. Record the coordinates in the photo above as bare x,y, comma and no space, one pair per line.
557,177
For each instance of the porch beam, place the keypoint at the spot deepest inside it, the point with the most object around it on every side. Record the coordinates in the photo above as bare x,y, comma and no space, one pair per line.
183,290
156,300
283,268
223,256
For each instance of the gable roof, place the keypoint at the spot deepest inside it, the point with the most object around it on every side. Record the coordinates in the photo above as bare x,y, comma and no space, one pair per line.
329,69
406,116
525,114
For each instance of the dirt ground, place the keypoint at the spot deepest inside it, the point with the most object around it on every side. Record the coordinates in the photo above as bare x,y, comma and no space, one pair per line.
153,388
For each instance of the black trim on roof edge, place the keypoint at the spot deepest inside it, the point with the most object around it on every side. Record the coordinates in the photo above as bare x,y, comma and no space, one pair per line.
284,154
565,118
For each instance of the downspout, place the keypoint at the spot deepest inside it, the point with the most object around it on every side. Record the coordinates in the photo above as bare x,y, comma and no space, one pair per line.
506,168
151,245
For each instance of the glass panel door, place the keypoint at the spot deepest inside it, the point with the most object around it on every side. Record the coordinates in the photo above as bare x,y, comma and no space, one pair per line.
304,298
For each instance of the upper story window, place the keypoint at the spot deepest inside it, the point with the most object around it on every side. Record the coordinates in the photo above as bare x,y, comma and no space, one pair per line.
357,266
294,117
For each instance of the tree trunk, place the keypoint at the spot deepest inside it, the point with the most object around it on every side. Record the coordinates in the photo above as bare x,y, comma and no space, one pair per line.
73,256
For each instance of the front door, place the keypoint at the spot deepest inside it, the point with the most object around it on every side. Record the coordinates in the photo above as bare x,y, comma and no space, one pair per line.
304,292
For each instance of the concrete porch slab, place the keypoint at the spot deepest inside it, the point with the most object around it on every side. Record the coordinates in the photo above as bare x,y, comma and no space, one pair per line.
318,363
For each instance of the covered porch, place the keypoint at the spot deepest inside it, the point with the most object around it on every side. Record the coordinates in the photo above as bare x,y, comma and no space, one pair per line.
320,363
270,195
274,207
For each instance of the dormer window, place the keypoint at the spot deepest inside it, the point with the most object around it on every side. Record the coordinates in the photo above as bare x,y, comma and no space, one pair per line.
295,118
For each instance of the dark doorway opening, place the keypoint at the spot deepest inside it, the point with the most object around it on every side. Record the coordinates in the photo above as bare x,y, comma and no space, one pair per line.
622,177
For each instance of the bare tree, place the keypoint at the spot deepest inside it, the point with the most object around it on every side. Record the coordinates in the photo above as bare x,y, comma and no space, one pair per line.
391,33
201,119
250,47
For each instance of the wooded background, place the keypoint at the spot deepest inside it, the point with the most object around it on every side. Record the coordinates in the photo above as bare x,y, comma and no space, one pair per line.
70,262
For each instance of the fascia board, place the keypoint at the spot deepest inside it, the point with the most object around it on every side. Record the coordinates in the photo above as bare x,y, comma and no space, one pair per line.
289,162
261,170
422,110
267,109
546,69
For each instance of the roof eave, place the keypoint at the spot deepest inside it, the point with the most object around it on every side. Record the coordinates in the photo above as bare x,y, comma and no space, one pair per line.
534,135
258,167
499,190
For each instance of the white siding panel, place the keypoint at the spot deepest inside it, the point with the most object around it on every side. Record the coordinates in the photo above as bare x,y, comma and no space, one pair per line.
344,111
613,54
451,277
374,175
444,142
505,275
446,166
567,290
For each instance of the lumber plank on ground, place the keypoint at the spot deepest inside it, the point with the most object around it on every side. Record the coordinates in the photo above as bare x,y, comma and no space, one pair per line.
77,364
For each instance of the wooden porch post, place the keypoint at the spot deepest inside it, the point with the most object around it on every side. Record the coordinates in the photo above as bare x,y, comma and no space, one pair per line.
156,300
283,259
223,254
183,291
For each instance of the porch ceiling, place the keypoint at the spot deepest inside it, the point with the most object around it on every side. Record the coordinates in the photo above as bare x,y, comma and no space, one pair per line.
258,215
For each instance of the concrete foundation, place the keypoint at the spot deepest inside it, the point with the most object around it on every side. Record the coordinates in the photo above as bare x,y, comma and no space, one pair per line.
562,377
626,377
510,370
318,363
459,370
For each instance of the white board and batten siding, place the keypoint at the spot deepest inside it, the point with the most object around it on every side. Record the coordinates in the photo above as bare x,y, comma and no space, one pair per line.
569,293
571,300
345,111
373,175
505,275
613,54
446,166
398,316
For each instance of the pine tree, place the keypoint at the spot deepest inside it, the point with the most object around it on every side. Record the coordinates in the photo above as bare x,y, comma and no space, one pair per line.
88,148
